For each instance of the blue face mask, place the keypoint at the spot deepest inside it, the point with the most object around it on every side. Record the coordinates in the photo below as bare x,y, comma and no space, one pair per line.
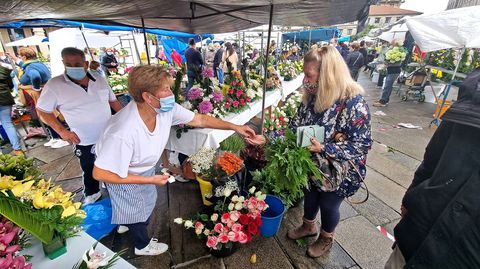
166,104
76,73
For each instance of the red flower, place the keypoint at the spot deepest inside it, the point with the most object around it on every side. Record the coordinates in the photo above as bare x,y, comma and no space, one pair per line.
234,83
258,221
227,105
248,99
253,229
235,104
242,101
230,91
244,219
223,238
240,84
225,217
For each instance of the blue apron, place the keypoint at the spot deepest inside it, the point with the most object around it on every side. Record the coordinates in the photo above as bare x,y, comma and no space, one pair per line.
132,203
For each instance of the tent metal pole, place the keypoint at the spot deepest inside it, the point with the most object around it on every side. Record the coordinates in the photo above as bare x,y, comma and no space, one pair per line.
145,40
86,43
436,121
136,48
310,38
265,75
243,44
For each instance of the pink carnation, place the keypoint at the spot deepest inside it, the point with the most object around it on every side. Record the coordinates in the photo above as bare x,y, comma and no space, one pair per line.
243,238
223,238
225,217
218,227
236,227
205,107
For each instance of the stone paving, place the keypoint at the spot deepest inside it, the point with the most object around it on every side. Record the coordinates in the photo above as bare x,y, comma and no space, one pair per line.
358,244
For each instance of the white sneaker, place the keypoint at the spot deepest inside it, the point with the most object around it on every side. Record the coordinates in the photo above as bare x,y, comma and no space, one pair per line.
50,142
122,229
92,198
153,248
59,144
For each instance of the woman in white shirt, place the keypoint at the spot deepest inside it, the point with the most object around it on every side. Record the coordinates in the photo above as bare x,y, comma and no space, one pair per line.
229,58
132,144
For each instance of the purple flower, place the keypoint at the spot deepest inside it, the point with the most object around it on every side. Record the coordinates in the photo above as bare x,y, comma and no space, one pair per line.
205,107
172,71
208,72
194,93
217,97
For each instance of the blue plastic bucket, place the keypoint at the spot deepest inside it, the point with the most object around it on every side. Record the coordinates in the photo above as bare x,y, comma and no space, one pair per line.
272,217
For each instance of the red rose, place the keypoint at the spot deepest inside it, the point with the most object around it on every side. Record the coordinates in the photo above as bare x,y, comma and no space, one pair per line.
242,101
281,118
240,84
253,229
258,221
230,91
248,99
235,104
234,83
244,219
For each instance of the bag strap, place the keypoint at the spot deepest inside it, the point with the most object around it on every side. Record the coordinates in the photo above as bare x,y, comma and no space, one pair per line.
357,59
344,104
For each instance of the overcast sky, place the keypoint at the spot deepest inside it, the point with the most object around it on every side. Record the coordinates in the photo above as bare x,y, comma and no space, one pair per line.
425,6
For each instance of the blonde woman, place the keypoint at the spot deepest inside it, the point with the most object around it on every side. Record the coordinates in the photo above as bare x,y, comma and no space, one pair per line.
132,144
333,100
229,58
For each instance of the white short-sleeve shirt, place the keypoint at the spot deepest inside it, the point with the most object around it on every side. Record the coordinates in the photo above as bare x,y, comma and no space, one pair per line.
127,146
86,112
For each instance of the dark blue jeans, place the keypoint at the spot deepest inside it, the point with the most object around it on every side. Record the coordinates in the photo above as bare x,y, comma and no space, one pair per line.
387,88
329,205
87,160
139,232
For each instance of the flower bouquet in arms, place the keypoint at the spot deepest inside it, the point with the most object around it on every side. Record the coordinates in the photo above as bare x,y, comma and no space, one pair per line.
236,220
395,56
94,259
42,209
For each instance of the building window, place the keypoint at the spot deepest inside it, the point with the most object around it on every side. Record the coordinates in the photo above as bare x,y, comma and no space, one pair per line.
377,20
349,32
388,19
16,34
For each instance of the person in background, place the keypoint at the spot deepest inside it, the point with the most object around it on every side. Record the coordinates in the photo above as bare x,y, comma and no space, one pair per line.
209,55
132,144
33,76
94,68
355,61
333,100
176,58
194,63
160,55
363,50
85,101
217,60
393,71
229,58
255,54
294,56
6,103
333,43
109,62
440,224
344,51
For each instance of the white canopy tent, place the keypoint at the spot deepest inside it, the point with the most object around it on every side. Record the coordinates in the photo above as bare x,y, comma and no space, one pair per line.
456,28
396,33
34,40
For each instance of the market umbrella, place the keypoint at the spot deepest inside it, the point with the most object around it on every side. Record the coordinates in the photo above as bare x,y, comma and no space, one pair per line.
456,28
29,41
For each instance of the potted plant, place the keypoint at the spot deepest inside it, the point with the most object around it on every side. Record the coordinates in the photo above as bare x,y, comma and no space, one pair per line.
42,209
202,162
287,170
236,219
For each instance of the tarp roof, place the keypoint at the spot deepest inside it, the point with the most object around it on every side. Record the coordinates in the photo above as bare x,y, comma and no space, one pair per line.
322,34
29,41
102,27
199,16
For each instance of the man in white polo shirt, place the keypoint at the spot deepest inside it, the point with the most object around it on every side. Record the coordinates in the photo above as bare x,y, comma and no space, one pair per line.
85,101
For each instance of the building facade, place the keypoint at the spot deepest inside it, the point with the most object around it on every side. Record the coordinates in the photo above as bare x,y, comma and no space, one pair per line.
452,4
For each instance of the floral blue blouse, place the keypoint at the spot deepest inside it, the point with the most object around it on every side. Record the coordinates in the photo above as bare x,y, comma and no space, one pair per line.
354,122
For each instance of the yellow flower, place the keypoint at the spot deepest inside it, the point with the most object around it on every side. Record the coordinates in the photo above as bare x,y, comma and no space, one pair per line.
8,182
69,211
20,189
40,201
43,185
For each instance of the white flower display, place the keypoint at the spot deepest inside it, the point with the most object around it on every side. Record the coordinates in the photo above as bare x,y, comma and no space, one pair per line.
187,105
203,160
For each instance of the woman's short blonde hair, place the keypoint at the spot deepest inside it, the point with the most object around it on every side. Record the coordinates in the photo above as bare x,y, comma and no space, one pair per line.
147,78
334,82
28,52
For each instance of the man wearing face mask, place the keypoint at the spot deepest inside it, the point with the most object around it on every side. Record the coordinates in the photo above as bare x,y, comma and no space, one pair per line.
109,62
85,101
132,144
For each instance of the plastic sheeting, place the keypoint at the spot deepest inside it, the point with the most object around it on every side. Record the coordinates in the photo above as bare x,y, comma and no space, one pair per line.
199,16
456,28
101,27
29,41
179,46
322,34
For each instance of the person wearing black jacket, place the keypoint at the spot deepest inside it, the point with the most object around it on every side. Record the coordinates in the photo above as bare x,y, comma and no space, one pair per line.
355,61
217,60
194,63
109,63
440,225
6,103
364,52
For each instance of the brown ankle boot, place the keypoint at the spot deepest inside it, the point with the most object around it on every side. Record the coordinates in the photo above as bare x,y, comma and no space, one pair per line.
321,246
308,228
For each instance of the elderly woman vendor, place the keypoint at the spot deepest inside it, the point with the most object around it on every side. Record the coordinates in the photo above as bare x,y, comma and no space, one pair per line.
132,144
